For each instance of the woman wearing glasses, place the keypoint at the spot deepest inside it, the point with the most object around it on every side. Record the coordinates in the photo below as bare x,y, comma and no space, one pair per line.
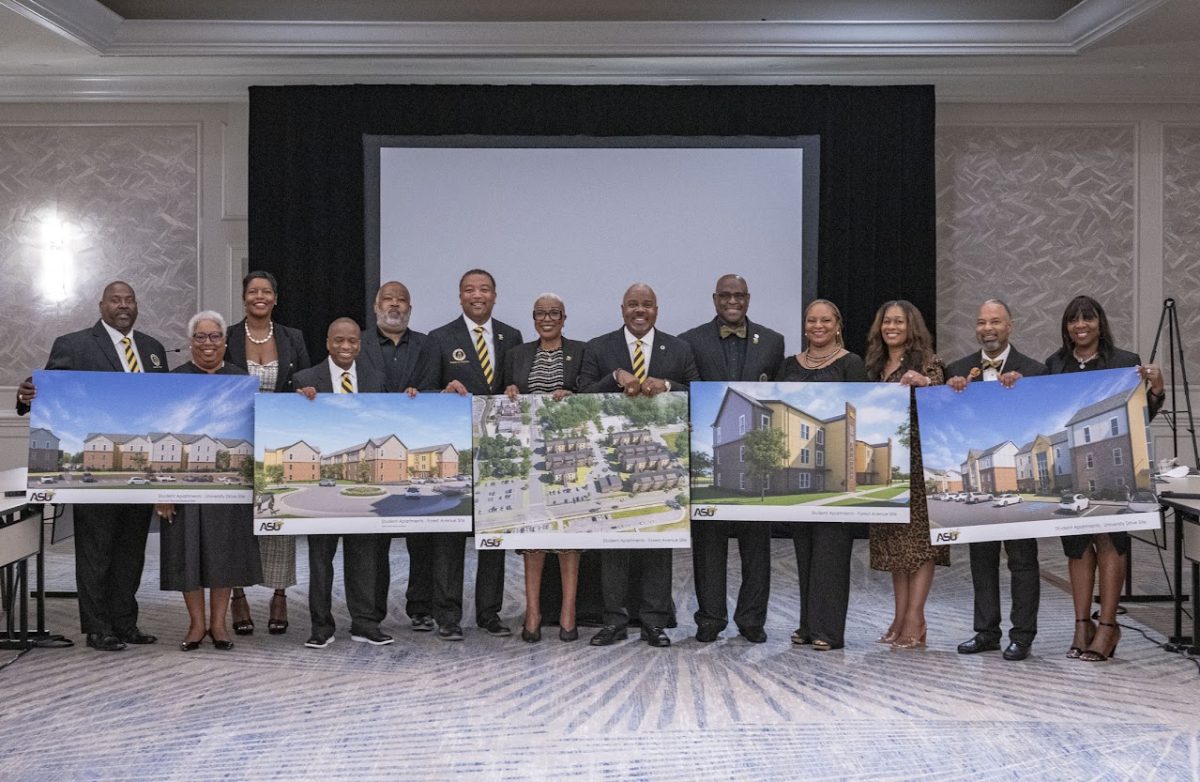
548,365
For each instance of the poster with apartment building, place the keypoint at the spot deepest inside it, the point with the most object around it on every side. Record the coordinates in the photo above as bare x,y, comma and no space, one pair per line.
800,452
1055,455
362,463
141,438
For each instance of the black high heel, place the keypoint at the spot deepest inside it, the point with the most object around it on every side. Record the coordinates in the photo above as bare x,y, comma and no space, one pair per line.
568,635
190,646
224,646
1095,655
531,637
242,626
278,626
1075,651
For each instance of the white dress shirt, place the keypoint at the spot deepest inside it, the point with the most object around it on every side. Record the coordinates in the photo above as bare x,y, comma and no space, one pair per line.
116,337
647,347
991,374
488,338
335,374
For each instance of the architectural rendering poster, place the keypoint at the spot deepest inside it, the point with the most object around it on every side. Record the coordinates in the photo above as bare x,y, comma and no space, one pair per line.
591,471
1057,455
117,437
800,452
358,463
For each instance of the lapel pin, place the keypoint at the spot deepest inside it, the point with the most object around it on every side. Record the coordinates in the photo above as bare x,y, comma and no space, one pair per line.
568,358
755,340
154,360
662,347
500,337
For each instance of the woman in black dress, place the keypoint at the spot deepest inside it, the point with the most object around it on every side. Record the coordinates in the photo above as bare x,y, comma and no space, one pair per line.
823,549
273,353
547,366
207,546
1087,344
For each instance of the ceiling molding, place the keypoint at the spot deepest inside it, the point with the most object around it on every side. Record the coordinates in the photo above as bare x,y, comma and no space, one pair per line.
86,22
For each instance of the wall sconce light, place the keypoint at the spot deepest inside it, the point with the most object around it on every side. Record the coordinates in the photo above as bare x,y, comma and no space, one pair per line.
58,261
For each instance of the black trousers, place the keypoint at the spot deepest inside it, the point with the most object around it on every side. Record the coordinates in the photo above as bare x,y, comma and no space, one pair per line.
1026,588
418,595
446,575
110,552
710,556
654,600
489,586
823,552
365,574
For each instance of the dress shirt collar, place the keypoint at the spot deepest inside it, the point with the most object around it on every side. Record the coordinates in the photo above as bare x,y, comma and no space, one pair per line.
384,339
335,375
992,374
116,338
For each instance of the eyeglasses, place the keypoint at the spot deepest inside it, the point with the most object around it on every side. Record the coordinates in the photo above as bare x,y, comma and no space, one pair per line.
214,337
547,314
725,296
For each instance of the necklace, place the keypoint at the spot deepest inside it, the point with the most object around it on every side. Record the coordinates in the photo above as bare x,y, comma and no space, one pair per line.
816,362
264,340
1083,361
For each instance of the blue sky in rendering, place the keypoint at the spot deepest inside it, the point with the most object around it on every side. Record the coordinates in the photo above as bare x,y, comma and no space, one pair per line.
332,422
74,404
987,414
881,407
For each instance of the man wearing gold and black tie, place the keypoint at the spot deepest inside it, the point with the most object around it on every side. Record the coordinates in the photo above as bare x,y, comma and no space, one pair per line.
472,354
110,540
363,555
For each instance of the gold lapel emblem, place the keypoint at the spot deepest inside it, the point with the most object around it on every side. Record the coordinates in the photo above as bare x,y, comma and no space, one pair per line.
459,354
154,360
762,378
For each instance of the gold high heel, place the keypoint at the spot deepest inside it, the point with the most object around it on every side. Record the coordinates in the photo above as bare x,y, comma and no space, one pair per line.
889,636
911,641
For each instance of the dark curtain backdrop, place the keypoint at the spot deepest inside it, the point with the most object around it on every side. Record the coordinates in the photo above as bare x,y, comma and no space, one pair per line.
877,235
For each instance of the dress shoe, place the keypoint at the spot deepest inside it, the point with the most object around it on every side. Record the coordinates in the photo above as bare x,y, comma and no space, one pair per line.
450,632
136,636
531,636
568,635
911,641
1092,655
497,628
224,645
655,636
755,635
609,635
105,642
277,623
423,623
318,641
801,637
372,637
189,646
1015,651
979,644
244,625
707,635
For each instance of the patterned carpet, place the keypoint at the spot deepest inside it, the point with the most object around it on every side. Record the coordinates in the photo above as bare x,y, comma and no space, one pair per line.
494,708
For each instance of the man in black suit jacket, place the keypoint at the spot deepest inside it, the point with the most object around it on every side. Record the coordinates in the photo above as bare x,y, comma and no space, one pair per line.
110,540
731,347
608,366
365,570
409,362
472,350
1000,361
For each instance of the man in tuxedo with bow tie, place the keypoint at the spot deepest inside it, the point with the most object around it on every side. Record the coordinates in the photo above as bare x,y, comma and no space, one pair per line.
732,347
1000,361
110,540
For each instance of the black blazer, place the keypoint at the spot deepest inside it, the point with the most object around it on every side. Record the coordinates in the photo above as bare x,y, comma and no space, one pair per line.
519,360
1016,362
458,360
226,369
764,352
672,360
92,350
370,380
421,369
1058,362
289,343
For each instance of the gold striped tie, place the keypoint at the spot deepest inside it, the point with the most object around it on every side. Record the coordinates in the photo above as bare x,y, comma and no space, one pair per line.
347,386
485,361
130,355
639,361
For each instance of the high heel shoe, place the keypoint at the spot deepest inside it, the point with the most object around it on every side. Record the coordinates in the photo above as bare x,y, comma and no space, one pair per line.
800,637
911,641
889,636
242,626
275,625
224,646
568,635
1075,651
190,646
531,637
1097,656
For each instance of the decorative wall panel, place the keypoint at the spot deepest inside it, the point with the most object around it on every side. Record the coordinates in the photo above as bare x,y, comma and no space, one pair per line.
126,198
1181,235
1035,215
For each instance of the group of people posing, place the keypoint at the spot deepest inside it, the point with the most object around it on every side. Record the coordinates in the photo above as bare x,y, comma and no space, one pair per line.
213,546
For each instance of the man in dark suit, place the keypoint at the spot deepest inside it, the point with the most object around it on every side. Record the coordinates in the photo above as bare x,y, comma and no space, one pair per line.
637,360
110,540
364,557
409,361
472,351
731,347
1000,361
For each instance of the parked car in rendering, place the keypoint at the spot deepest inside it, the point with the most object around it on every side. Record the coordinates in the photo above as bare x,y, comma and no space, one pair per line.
413,493
138,480
327,482
1005,500
1142,501
88,478
165,478
959,496
1073,503
976,497
48,479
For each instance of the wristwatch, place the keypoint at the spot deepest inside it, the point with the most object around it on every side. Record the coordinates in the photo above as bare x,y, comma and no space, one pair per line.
667,383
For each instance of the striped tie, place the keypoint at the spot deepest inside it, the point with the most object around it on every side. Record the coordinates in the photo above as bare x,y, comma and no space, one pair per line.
485,361
347,386
130,355
639,361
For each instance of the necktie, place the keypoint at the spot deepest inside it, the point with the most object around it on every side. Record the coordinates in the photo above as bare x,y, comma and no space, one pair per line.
130,355
639,361
990,363
347,386
485,360
738,331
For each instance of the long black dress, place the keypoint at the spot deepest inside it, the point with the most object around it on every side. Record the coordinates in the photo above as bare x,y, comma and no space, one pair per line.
209,546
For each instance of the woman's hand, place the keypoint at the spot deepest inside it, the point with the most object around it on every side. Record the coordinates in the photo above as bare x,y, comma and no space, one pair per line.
512,391
914,378
1152,375
165,510
560,395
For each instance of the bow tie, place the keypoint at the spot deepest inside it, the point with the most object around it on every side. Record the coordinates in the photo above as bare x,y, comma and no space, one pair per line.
739,331
990,363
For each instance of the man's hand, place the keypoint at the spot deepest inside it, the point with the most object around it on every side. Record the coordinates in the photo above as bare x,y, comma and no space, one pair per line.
308,392
26,391
455,387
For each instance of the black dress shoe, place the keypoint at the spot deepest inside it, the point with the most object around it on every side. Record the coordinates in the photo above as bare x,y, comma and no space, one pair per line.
497,628
979,644
1015,651
223,645
136,636
568,635
450,632
373,637
755,635
189,646
531,636
609,635
423,623
318,641
104,642
707,635
655,636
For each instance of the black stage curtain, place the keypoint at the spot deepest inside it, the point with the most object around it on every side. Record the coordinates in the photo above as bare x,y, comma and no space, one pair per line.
877,233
